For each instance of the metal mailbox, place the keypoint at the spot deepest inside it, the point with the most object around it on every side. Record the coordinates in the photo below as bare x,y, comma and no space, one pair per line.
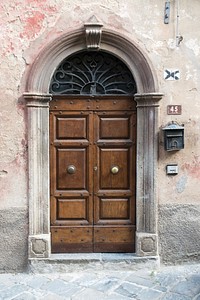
173,137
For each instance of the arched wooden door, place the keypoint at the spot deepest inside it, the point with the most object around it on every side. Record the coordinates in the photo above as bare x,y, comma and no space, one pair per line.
92,162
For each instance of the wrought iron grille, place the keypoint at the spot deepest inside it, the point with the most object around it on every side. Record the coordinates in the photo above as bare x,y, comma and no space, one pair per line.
92,73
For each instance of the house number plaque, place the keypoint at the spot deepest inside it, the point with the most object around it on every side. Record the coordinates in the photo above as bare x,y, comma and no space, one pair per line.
174,109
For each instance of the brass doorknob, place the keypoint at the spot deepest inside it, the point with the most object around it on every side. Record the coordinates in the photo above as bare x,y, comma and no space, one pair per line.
114,170
71,169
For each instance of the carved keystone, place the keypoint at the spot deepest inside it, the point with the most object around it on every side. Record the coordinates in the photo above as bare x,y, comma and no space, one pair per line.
93,31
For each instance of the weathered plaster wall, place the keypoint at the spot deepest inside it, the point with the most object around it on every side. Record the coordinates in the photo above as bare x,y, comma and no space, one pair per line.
28,25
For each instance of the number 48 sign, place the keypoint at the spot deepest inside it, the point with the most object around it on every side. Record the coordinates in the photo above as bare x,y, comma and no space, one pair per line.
174,109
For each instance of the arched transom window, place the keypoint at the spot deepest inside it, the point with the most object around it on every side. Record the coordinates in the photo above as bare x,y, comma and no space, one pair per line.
92,73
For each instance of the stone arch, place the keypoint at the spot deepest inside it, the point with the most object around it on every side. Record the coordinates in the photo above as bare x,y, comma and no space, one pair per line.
42,69
37,97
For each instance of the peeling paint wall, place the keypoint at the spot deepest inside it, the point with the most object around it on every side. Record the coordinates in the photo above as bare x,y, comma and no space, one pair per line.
28,25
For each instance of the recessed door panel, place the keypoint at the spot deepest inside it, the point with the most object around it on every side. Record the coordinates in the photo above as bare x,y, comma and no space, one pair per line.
110,209
71,128
71,168
114,128
92,150
114,168
72,209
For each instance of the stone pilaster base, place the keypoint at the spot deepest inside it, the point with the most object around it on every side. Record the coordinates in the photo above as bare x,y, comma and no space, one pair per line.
39,246
146,244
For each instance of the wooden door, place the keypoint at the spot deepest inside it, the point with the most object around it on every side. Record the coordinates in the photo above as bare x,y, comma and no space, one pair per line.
92,161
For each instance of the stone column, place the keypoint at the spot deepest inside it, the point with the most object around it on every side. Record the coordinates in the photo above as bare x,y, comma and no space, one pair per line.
147,152
38,165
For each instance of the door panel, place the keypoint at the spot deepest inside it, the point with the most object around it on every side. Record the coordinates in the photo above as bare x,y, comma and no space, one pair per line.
114,208
114,239
114,128
92,174
72,239
113,235
71,128
73,209
69,159
114,158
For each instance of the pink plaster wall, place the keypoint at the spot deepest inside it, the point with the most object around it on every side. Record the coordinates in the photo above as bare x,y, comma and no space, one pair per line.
29,25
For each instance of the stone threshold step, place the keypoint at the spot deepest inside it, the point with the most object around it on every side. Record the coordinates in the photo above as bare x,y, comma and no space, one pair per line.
88,261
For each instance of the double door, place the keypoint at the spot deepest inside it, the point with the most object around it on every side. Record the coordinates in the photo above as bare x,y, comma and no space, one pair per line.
92,167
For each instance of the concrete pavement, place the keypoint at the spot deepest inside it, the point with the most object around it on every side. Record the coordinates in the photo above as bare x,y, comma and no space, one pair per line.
166,283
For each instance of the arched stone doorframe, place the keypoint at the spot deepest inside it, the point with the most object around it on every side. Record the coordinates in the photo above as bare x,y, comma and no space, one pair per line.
37,98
